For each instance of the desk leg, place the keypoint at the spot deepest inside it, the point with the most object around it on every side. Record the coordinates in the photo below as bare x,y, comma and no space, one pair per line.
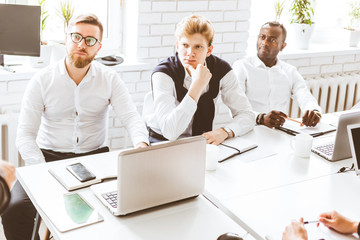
36,226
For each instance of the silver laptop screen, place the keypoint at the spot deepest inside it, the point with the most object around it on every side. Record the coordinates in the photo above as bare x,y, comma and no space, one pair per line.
355,132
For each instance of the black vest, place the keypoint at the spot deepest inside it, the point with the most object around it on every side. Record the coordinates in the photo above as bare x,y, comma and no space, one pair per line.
204,115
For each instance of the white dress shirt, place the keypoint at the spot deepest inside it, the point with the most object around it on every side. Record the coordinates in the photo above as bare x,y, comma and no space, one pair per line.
173,119
270,88
59,115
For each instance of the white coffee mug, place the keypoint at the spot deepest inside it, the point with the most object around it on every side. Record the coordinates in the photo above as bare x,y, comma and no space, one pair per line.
302,145
212,152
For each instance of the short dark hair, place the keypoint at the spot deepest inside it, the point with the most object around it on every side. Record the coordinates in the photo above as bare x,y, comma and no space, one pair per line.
88,19
276,24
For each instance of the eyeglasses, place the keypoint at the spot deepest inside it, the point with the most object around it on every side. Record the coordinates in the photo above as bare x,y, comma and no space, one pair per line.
89,41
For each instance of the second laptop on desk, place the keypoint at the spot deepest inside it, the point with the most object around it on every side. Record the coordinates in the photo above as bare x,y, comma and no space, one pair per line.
338,148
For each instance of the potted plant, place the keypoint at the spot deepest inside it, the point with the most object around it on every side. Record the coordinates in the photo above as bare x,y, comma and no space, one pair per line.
354,22
45,49
66,12
302,13
279,7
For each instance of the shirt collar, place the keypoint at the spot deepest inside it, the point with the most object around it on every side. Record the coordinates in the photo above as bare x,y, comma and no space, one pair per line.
259,63
89,75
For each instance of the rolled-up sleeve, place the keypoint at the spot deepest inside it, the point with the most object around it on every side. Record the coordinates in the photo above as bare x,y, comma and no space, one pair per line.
301,93
173,119
234,97
126,111
29,122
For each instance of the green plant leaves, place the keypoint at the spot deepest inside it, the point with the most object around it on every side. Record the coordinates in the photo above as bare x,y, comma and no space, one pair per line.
302,11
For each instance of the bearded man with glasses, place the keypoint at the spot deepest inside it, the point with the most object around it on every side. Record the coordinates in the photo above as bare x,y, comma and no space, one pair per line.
64,114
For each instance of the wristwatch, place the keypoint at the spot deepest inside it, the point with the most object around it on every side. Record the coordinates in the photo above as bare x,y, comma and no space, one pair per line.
229,131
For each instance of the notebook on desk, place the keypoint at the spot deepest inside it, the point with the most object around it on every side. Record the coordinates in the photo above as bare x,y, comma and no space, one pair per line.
155,175
338,148
103,165
234,147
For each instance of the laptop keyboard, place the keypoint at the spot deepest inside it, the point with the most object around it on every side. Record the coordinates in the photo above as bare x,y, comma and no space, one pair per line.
111,198
326,149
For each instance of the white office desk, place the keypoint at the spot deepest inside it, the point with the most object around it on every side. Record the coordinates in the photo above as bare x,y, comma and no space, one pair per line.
237,179
195,218
270,211
236,176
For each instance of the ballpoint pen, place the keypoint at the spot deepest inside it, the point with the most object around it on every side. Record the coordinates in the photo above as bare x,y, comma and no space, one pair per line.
301,124
314,221
322,133
288,131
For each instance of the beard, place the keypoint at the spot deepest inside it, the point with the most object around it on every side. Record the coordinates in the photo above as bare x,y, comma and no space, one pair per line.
80,62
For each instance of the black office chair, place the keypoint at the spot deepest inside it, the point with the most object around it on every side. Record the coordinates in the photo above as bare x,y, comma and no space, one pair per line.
229,236
36,228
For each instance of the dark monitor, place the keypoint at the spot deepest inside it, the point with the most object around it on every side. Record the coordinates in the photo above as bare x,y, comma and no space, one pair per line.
354,138
19,30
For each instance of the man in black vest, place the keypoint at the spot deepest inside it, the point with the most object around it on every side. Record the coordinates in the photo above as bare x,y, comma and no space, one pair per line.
186,87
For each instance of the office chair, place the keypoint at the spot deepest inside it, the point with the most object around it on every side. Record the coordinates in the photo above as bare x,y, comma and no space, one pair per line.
229,236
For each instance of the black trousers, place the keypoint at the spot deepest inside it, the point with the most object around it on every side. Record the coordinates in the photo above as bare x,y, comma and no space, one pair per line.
18,219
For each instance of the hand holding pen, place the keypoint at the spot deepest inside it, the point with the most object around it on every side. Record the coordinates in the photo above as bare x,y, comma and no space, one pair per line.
273,119
311,118
338,222
295,230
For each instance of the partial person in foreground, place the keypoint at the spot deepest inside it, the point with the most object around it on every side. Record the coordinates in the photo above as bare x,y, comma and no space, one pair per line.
269,83
64,114
186,87
7,177
332,220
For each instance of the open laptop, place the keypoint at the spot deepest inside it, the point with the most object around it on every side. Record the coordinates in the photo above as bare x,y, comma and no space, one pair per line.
155,175
338,149
354,139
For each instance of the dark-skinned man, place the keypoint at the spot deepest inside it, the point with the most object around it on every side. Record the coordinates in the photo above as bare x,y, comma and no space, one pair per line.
269,83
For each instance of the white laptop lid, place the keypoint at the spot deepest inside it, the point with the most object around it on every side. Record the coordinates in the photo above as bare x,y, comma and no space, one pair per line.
354,139
342,146
156,175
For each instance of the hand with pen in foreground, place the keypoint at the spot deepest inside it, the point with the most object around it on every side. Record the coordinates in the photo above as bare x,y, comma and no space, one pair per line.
295,230
339,223
332,220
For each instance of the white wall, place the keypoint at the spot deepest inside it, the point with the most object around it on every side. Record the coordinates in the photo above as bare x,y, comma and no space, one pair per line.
157,20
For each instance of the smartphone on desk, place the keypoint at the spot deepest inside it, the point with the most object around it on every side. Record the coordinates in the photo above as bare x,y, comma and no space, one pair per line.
80,172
